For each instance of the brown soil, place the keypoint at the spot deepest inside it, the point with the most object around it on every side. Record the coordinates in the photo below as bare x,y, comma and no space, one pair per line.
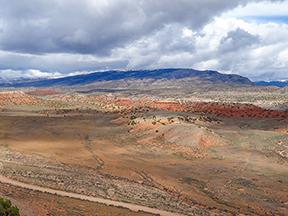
189,140
43,92
192,158
32,203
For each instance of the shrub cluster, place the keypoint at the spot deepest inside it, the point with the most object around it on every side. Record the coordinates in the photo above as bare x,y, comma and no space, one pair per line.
7,209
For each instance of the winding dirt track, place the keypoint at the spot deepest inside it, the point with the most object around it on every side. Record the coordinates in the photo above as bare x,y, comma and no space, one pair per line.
132,207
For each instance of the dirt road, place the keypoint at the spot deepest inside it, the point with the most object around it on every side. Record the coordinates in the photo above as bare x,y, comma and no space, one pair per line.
132,207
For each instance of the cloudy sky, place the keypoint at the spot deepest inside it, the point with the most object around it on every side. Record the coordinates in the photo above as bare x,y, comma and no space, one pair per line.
58,37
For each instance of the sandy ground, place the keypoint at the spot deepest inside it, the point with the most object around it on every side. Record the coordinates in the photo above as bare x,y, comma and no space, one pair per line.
35,203
229,168
132,207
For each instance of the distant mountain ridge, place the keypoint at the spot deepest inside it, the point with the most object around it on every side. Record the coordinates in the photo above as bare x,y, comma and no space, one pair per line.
196,77
280,84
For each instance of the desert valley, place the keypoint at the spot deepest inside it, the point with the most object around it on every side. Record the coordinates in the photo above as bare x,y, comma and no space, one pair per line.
144,108
204,149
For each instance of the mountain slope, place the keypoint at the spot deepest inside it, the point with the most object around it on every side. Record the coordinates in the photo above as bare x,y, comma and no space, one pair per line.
199,77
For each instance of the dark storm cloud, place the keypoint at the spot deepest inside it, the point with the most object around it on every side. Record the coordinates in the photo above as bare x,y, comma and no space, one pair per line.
236,40
64,63
95,27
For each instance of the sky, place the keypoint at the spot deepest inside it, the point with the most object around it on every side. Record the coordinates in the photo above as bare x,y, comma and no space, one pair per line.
55,38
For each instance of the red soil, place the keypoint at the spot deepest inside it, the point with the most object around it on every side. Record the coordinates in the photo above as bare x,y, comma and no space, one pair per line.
169,105
235,110
17,98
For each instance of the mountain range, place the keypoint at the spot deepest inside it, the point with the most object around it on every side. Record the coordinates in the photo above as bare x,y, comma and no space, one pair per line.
144,78
272,83
152,75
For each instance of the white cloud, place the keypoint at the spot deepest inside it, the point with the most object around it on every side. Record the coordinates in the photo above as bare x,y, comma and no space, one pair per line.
9,74
256,50
267,8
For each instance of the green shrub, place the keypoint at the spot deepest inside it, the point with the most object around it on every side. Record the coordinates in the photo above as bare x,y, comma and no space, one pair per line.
7,209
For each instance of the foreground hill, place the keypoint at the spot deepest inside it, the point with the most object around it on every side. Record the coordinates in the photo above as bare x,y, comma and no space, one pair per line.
146,77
